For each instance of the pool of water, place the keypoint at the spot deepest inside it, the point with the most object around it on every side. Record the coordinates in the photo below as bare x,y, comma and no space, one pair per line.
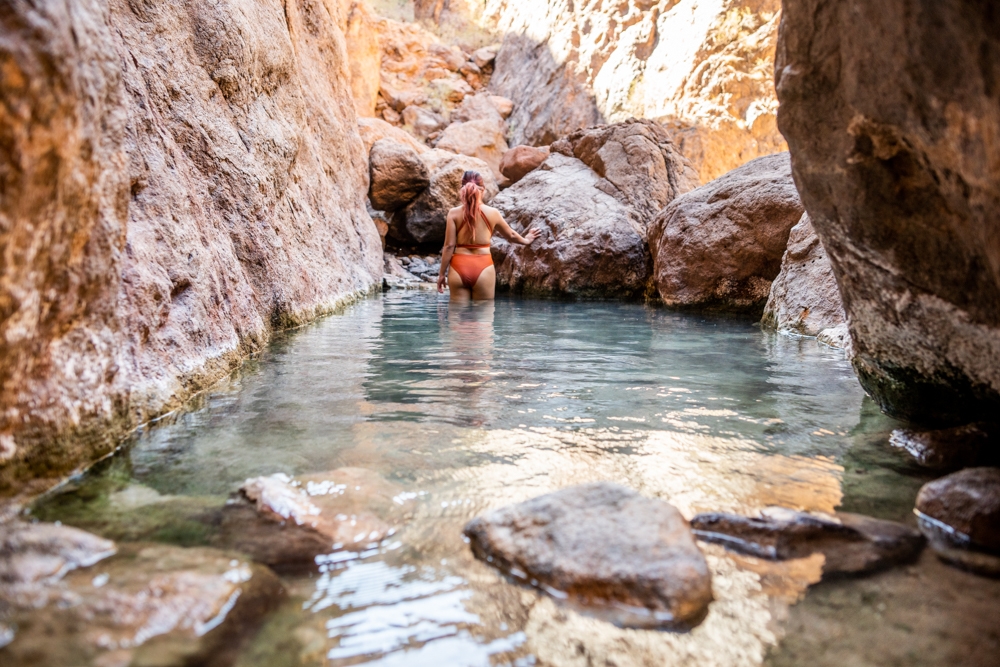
474,407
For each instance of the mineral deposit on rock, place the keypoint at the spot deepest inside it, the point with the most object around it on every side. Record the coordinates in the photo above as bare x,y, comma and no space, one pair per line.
602,545
895,157
851,543
804,298
398,175
721,245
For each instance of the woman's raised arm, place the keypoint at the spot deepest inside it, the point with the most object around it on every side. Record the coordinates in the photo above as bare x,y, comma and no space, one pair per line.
505,231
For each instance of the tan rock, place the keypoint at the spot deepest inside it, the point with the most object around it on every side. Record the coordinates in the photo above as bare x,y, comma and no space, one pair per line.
398,175
601,546
483,139
485,56
896,164
804,298
374,129
503,105
721,245
517,162
704,69
158,221
422,122
477,107
364,58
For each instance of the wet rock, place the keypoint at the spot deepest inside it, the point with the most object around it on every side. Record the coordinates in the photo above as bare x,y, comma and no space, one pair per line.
603,546
851,543
483,139
638,161
721,245
287,522
838,337
38,552
423,221
519,161
422,122
569,66
374,129
950,448
591,246
398,175
804,298
149,604
895,160
960,515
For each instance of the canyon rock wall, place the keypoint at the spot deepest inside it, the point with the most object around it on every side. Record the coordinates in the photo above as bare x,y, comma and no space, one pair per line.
702,67
176,180
891,109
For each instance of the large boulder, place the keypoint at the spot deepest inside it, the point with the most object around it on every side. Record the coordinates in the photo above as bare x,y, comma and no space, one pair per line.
960,515
423,221
398,175
376,129
178,179
601,545
517,162
483,139
422,122
477,107
804,298
570,65
895,157
721,245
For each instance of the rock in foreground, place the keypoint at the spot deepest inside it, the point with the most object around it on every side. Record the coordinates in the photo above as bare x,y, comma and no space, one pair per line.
851,543
398,175
950,448
721,245
960,515
603,546
804,298
282,521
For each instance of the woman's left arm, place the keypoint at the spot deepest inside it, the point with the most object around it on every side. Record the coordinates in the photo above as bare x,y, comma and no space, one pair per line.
450,235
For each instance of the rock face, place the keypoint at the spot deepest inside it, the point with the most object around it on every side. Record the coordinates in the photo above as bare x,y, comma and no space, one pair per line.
721,245
284,522
851,543
483,139
602,545
950,448
895,158
179,178
804,298
398,175
517,162
150,604
592,199
702,68
423,221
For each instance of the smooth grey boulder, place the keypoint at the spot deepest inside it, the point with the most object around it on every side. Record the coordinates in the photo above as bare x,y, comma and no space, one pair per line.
851,543
601,546
398,175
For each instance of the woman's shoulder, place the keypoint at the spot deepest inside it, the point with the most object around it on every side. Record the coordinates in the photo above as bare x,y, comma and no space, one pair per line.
457,210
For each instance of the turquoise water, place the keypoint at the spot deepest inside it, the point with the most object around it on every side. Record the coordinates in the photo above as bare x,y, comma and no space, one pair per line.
473,407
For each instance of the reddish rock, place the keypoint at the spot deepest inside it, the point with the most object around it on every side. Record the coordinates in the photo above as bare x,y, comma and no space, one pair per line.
398,175
602,546
520,160
950,448
721,245
963,509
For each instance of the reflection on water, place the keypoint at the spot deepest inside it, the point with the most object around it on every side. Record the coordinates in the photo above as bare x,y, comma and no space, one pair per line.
470,407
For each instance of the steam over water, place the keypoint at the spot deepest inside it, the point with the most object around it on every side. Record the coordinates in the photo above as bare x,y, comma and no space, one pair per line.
470,408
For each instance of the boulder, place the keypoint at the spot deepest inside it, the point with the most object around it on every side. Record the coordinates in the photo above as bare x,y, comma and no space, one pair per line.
374,129
149,604
485,56
287,522
423,221
962,510
398,175
590,244
422,122
503,105
517,162
396,276
895,158
601,545
950,448
721,245
477,107
32,553
851,543
804,298
568,66
483,139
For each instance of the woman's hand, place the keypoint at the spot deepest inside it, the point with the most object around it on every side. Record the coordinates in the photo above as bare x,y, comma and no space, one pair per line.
441,281
531,235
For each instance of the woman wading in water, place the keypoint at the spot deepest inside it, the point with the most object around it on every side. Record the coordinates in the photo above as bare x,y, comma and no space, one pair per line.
465,258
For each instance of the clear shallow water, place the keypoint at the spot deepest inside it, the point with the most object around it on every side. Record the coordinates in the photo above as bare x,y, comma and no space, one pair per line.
474,407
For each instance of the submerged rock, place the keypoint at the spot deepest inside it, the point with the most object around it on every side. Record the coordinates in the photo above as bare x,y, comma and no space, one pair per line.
148,605
851,543
721,245
283,521
895,159
398,175
39,552
950,448
804,298
604,547
519,161
960,515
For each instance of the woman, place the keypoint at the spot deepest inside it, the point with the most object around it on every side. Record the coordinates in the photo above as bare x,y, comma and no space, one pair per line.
465,258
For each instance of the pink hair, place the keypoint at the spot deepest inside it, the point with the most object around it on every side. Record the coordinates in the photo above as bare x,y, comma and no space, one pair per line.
471,195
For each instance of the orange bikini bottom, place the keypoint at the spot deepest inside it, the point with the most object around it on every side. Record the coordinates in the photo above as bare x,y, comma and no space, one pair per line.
469,267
